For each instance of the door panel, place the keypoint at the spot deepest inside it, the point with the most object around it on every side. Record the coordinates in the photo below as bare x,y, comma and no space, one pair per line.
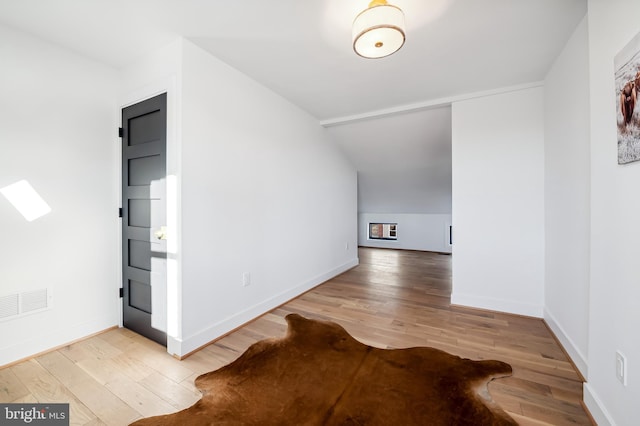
144,170
140,254
140,213
140,296
144,212
146,128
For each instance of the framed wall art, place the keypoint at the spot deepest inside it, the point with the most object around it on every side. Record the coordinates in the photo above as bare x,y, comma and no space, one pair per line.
627,80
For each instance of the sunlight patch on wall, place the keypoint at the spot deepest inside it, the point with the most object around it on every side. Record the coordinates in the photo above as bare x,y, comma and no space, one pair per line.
173,291
26,200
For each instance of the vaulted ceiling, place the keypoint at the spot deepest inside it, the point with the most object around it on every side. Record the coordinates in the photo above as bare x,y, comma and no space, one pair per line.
302,50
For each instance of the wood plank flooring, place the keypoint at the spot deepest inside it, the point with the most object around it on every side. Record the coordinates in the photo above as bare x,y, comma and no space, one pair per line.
393,299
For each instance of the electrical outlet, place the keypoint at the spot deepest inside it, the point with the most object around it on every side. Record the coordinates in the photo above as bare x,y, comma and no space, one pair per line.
246,279
621,368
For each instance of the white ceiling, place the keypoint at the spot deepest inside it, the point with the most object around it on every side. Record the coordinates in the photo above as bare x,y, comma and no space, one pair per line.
403,161
302,50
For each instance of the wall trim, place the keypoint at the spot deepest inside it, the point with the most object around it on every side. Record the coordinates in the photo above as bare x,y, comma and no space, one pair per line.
576,355
500,305
56,347
434,103
181,348
596,407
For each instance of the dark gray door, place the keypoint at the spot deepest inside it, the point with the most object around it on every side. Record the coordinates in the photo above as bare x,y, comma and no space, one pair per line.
144,139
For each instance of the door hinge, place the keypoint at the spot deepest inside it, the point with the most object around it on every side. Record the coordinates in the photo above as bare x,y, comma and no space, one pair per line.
120,132
120,213
121,292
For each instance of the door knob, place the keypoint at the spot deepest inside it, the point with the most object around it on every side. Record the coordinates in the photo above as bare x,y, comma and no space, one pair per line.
161,233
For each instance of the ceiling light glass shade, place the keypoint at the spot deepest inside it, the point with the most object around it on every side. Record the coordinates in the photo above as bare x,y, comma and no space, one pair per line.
379,30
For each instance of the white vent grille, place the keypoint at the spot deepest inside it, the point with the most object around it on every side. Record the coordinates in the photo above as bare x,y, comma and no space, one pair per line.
9,306
33,301
18,304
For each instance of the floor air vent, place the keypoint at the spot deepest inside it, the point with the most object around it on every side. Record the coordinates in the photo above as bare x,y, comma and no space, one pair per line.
18,304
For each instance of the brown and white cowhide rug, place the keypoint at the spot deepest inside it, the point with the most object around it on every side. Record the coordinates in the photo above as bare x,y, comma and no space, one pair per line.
319,375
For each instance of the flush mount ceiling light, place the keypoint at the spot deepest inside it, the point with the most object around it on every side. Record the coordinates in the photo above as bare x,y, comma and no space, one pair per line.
379,30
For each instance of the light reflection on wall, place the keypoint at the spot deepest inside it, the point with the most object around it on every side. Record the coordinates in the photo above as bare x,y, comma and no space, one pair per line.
26,200
173,295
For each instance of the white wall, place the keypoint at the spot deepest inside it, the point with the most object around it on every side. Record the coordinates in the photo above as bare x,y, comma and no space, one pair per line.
403,160
567,197
58,130
264,191
498,202
614,318
428,232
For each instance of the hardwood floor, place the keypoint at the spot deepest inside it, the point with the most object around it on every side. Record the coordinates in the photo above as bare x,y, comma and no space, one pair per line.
393,299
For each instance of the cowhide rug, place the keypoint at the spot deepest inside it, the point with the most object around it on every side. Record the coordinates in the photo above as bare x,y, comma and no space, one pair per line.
319,375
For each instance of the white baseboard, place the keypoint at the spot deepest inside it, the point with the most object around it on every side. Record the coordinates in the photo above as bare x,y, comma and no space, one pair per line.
37,344
569,346
508,306
191,343
596,407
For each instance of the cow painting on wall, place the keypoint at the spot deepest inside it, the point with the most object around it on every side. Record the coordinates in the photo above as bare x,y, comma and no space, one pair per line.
627,76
